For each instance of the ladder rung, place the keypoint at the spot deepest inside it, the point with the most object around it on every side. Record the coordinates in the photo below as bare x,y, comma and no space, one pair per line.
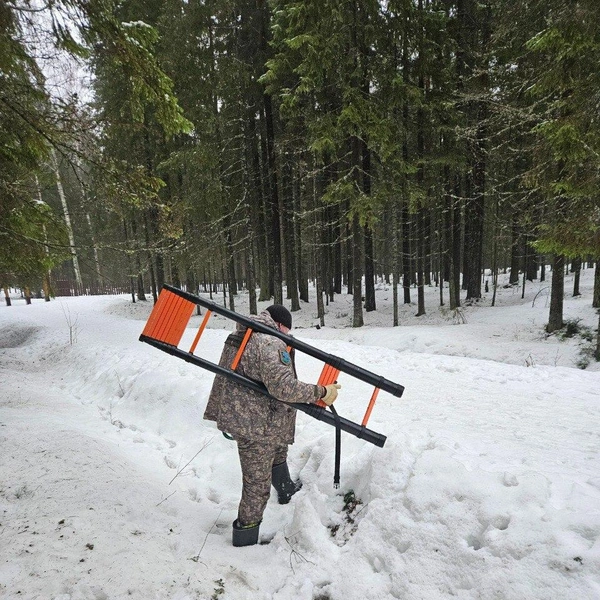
370,407
241,349
200,331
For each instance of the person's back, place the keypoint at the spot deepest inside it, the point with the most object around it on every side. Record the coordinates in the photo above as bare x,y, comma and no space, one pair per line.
261,426
242,412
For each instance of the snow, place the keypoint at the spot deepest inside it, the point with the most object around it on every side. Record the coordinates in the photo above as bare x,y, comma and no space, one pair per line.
136,24
112,486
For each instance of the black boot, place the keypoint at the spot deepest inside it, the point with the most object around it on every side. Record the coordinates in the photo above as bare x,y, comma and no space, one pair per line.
283,483
244,535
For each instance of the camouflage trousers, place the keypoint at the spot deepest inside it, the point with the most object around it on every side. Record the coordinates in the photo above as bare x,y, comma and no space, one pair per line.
257,459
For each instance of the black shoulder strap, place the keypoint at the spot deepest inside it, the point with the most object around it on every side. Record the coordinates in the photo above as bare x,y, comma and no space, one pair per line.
235,339
338,447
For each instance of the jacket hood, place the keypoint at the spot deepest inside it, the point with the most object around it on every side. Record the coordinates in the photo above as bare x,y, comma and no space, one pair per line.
264,318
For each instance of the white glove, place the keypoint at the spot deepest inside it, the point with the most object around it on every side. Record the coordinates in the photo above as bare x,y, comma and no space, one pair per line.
331,392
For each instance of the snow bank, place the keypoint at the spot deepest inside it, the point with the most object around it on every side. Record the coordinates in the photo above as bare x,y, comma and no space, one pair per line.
112,485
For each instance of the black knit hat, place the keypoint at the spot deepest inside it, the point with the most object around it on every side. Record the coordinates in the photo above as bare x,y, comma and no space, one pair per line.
280,314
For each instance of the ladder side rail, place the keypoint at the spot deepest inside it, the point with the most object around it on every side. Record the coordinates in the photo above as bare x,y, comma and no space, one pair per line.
312,410
338,363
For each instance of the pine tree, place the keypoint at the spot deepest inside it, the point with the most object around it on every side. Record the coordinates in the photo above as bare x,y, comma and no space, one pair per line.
566,142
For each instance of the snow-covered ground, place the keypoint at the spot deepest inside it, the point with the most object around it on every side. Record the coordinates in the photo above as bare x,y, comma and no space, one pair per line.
112,486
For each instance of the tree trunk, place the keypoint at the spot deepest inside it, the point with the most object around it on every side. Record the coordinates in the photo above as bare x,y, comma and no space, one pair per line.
531,263
447,225
95,250
47,276
63,201
230,259
348,253
274,202
150,258
577,268
337,255
84,195
319,289
141,294
405,214
289,237
368,231
191,282
406,252
326,254
596,298
253,308
252,182
263,242
46,286
473,38
555,320
369,270
357,315
224,280
152,272
317,210
421,228
7,296
129,263
420,262
302,267
474,220
495,252
301,196
231,288
387,260
396,259
516,252
152,228
455,244
440,231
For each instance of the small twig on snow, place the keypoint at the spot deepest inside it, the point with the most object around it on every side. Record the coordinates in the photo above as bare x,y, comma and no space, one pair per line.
165,499
197,557
295,552
535,297
191,459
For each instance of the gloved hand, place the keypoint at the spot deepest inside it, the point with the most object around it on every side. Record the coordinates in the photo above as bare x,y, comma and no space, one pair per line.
331,392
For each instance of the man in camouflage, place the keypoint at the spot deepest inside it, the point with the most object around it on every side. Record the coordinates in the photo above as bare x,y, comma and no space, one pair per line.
262,427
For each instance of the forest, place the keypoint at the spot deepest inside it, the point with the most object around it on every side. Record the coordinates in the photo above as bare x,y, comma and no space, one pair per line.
282,146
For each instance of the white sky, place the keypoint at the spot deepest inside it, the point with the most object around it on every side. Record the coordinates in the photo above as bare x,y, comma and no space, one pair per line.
65,75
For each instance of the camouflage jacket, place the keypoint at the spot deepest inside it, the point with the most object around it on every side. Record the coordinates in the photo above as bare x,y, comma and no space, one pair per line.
247,414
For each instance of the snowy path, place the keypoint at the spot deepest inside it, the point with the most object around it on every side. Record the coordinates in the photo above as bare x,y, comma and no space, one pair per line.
80,518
